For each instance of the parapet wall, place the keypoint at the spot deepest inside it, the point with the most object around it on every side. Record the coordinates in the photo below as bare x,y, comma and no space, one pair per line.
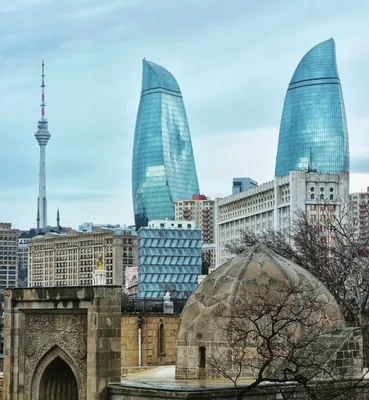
153,326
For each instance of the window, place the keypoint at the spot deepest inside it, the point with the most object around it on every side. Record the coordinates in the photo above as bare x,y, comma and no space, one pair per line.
331,189
312,189
322,197
161,338
331,196
322,189
202,357
312,196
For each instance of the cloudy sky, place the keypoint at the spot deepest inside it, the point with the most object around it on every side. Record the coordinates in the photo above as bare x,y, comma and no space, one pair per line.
233,60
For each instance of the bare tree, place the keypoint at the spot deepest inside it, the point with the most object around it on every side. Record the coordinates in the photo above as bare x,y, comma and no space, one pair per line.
286,332
334,249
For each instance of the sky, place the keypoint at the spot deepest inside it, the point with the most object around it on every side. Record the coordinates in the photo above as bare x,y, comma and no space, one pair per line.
233,60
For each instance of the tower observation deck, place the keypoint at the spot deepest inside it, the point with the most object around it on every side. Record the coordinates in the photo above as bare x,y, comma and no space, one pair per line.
42,136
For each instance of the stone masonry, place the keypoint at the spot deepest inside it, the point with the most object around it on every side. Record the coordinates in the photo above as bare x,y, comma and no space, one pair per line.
80,326
150,339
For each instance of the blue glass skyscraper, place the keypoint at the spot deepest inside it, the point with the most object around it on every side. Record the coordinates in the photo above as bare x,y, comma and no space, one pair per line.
163,166
313,132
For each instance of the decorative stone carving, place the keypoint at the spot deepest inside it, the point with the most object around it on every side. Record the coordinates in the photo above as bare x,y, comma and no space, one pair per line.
48,336
43,364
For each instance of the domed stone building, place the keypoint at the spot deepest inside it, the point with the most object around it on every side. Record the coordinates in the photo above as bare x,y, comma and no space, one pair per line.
256,275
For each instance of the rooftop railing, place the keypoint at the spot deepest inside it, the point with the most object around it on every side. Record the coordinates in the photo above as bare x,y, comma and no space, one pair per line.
155,306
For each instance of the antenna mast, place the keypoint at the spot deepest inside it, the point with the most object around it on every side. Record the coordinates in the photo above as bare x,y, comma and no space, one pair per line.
43,92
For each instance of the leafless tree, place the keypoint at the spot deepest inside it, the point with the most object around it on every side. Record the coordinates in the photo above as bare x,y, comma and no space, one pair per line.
332,247
283,332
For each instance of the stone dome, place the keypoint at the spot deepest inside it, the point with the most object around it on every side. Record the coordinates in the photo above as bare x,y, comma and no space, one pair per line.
198,325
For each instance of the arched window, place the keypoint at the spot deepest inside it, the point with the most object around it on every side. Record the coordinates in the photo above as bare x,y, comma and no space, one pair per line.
161,338
312,196
331,196
202,357
58,382
322,197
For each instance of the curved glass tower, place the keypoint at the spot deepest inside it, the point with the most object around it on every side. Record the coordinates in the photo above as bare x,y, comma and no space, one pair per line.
313,134
163,166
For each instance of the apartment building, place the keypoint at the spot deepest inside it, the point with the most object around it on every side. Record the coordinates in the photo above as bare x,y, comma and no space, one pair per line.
69,259
359,203
23,241
201,210
8,256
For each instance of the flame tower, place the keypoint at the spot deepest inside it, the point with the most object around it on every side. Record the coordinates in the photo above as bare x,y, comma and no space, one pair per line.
42,136
313,135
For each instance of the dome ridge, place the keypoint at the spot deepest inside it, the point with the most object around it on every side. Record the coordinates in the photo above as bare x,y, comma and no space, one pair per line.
240,275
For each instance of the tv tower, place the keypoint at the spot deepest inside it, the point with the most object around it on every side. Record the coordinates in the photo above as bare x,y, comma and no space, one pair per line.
42,136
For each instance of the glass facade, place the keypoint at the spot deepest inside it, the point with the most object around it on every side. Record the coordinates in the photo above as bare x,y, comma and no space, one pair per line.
313,133
169,261
163,166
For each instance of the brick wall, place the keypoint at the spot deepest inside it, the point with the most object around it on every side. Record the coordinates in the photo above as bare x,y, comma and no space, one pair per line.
150,339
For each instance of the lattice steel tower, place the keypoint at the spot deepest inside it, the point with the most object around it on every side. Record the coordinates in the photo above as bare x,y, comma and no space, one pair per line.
42,136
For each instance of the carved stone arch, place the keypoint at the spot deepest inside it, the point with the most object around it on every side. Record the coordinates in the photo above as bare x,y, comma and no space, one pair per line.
45,361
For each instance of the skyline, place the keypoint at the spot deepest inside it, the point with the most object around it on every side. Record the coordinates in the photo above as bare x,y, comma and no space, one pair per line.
233,64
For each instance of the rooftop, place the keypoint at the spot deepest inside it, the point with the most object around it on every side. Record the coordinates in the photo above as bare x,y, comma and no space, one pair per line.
163,377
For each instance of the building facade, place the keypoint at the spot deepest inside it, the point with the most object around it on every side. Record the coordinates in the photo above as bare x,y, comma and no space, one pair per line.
158,344
201,210
313,133
163,166
274,205
209,252
8,256
359,203
70,259
23,240
131,281
89,226
169,259
241,184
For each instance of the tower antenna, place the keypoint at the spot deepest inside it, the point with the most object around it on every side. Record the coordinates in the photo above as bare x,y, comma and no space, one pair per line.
43,92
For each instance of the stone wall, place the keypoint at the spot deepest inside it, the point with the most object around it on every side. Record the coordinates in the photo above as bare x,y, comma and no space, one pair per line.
79,327
262,392
150,339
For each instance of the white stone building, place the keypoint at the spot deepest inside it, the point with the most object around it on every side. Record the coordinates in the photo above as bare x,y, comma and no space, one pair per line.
169,223
274,205
359,203
209,254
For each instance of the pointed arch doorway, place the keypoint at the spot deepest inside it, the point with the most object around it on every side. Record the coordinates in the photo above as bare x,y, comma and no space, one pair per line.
58,382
